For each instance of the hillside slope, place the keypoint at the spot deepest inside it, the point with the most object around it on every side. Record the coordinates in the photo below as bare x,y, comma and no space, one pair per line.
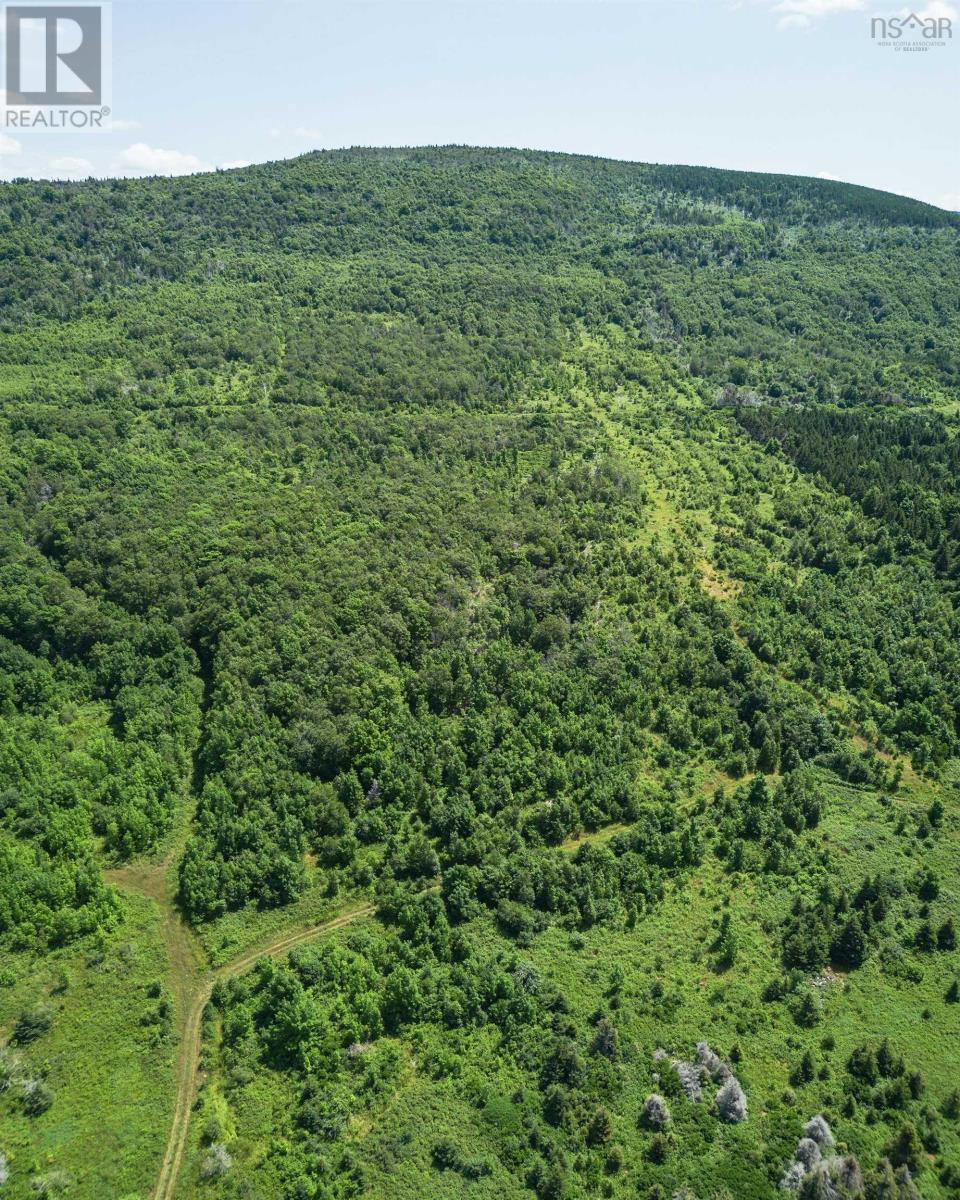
563,553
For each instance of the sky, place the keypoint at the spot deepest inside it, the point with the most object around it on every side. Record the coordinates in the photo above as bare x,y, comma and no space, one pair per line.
797,86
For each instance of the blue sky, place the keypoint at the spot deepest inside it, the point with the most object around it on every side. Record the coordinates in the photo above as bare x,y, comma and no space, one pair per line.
773,85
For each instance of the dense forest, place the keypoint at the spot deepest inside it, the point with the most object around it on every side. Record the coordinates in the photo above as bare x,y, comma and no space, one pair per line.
538,577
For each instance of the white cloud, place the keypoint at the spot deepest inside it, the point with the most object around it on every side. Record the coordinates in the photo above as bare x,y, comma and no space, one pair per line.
152,160
9,145
935,9
827,175
950,200
123,124
801,14
818,8
68,166
234,163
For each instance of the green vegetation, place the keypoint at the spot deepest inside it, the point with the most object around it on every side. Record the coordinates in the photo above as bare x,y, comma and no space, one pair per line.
561,555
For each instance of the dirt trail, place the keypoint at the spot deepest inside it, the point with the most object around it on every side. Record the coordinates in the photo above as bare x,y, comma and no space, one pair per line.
197,993
191,979
191,983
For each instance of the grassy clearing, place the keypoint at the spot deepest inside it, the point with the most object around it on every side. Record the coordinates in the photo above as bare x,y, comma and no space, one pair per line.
237,932
459,1087
110,1072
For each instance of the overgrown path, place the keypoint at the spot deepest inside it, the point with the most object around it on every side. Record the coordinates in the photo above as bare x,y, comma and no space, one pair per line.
192,984
190,976
188,1058
157,881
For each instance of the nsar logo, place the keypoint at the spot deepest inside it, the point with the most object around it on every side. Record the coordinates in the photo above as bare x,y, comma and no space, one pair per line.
911,32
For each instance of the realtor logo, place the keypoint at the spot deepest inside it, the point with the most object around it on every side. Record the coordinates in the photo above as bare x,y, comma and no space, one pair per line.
57,67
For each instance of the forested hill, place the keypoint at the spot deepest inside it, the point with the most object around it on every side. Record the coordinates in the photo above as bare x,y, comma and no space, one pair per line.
563,554
742,268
